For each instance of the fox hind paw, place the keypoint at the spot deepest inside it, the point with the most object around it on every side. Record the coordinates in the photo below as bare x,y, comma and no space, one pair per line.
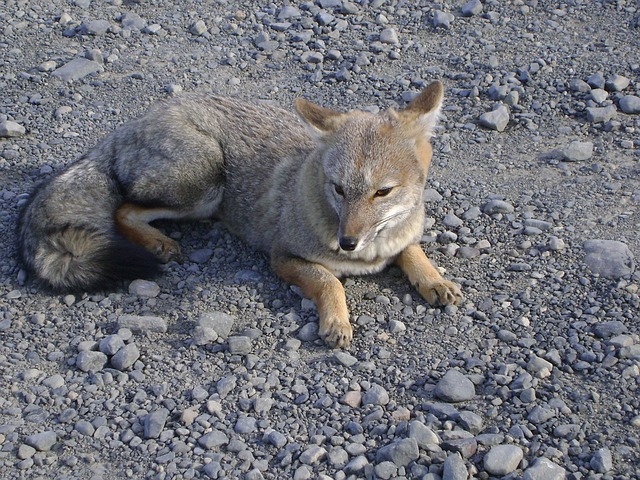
442,293
167,250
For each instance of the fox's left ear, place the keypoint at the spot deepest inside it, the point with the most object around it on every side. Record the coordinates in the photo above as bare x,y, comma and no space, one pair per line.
321,120
424,110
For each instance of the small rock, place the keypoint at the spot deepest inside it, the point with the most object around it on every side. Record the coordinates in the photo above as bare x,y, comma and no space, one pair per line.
43,441
503,459
498,92
471,8
455,387
539,366
198,28
577,151
245,425
125,357
610,328
452,221
213,439
89,361
617,83
422,434
376,395
609,258
220,322
599,95
76,69
389,36
601,114
345,359
288,11
497,119
201,256
204,335
144,288
146,324
133,21
96,27
454,468
154,423
9,129
110,344
630,104
239,345
442,19
313,454
596,80
578,85
401,452
544,469
602,462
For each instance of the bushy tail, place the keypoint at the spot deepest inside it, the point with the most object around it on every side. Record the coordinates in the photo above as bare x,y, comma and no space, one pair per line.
83,259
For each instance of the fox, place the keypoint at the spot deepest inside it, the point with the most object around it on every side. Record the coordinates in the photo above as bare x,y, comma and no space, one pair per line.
326,194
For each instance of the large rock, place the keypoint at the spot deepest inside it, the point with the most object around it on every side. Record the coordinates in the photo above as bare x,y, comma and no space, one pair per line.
609,258
455,387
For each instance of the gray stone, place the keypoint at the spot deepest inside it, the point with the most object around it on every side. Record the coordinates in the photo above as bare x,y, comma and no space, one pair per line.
577,151
610,328
498,92
198,28
454,468
204,335
154,423
503,459
601,114
401,452
452,221
76,69
144,288
213,439
345,359
356,466
630,104
110,344
470,421
442,19
497,119
544,469
139,323
125,357
245,425
89,361
200,256
609,258
616,83
132,21
596,80
84,427
313,454
455,387
471,8
376,395
276,439
213,470
43,441
602,462
287,12
578,85
422,434
54,381
10,129
539,414
220,322
386,470
26,451
390,36
599,95
239,345
96,27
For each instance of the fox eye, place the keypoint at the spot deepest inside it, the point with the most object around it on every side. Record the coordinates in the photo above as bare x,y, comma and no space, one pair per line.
339,190
383,192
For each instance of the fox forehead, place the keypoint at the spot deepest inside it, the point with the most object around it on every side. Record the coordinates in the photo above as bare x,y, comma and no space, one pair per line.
372,152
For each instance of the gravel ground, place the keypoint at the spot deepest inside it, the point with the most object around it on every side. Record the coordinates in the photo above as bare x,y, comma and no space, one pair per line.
214,370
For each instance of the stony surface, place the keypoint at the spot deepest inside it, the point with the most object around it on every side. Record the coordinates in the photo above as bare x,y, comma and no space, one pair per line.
222,373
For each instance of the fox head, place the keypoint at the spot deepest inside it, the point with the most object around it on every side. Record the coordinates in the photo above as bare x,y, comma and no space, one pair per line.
375,165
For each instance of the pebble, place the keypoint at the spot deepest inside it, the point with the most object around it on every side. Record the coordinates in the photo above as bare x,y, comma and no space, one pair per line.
452,221
577,151
213,439
422,434
389,36
155,422
454,468
602,461
630,104
89,361
221,323
345,359
142,323
601,114
497,206
144,288
497,119
544,469
599,95
609,328
95,27
133,21
204,335
455,387
125,357
596,80
239,345
609,258
76,69
110,344
313,455
10,129
471,8
442,19
401,452
503,459
43,441
198,28
376,395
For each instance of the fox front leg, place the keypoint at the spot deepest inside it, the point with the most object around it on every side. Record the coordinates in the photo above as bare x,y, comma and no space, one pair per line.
426,279
325,290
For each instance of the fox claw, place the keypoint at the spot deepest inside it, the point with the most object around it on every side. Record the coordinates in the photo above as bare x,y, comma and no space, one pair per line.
442,293
336,333
167,250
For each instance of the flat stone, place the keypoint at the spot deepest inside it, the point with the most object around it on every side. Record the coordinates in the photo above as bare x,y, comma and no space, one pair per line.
154,423
544,469
503,459
578,151
201,256
630,104
133,21
203,335
140,323
609,258
599,95
144,288
596,80
497,119
43,441
76,69
288,11
455,387
245,425
239,345
345,359
10,129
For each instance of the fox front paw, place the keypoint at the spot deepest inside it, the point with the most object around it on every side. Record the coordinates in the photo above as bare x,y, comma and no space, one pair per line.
335,332
442,293
167,250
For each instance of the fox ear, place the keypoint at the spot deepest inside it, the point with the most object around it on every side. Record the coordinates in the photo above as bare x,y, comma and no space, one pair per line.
321,120
424,110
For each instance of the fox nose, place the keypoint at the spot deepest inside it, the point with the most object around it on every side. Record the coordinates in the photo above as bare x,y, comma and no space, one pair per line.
348,244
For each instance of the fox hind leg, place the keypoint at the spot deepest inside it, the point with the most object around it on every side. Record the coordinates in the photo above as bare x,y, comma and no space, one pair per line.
133,221
426,279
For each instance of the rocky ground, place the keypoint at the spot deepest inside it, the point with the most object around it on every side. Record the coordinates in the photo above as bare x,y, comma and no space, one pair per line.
214,370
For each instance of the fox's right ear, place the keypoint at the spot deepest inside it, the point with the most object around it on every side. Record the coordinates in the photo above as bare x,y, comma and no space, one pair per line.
321,120
424,110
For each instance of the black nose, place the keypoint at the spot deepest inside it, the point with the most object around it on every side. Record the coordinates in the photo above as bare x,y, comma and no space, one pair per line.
348,243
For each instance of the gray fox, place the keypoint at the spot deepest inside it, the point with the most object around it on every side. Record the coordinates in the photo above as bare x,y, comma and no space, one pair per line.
333,195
